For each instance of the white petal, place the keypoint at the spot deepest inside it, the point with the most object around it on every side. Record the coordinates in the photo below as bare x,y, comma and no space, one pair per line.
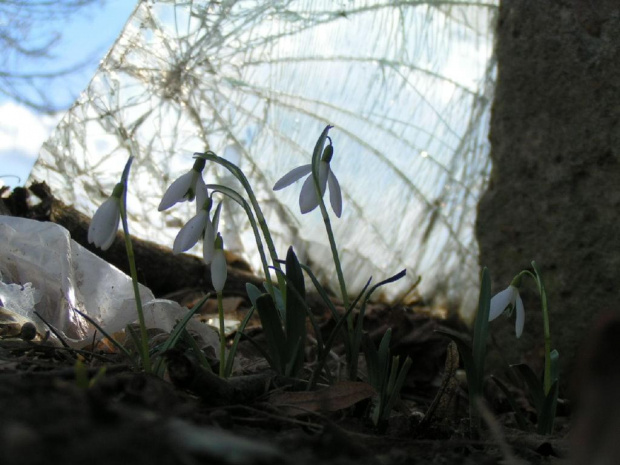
218,270
520,320
103,226
292,176
201,193
308,200
190,233
335,196
177,191
500,301
208,244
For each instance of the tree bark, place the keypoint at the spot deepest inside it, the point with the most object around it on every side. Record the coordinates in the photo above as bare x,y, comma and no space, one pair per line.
554,191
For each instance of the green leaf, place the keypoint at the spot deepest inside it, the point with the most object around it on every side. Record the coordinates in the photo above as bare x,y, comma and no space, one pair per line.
276,341
481,328
253,293
295,322
304,305
546,416
357,336
395,387
554,356
322,292
384,359
177,331
372,361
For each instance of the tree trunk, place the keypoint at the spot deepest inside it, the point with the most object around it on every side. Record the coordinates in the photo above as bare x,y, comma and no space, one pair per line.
554,192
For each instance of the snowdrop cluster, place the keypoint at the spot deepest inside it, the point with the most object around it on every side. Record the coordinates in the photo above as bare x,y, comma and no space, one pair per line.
187,187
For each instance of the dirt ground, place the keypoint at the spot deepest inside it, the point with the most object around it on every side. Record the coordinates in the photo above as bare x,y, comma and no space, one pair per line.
48,416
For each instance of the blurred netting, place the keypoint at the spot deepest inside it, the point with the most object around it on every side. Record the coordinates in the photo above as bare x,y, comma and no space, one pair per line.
406,84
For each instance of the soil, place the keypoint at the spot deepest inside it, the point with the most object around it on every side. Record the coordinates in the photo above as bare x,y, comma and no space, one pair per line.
58,407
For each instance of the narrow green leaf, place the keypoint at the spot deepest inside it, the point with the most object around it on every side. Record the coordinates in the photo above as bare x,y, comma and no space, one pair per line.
307,311
253,293
176,333
481,328
295,322
328,346
322,292
357,335
372,362
384,359
276,341
397,386
554,356
546,415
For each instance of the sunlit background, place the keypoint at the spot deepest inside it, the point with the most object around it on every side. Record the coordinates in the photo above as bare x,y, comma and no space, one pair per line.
406,85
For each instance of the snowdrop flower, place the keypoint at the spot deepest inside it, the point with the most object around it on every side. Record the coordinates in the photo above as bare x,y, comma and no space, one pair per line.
509,297
103,226
308,200
193,229
183,188
218,265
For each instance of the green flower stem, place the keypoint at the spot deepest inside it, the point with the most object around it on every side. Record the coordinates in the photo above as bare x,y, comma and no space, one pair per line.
231,193
220,312
234,169
146,360
546,328
547,382
334,249
547,377
330,233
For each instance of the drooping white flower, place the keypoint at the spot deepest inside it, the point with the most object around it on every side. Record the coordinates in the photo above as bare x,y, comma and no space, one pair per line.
103,226
183,188
191,232
218,265
308,200
509,298
194,229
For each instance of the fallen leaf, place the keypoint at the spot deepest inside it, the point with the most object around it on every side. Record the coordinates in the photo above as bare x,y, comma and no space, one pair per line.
339,396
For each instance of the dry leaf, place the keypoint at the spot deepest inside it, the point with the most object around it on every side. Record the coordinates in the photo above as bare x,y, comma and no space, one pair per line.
341,395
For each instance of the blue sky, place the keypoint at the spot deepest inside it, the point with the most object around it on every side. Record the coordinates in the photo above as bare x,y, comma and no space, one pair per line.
87,36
